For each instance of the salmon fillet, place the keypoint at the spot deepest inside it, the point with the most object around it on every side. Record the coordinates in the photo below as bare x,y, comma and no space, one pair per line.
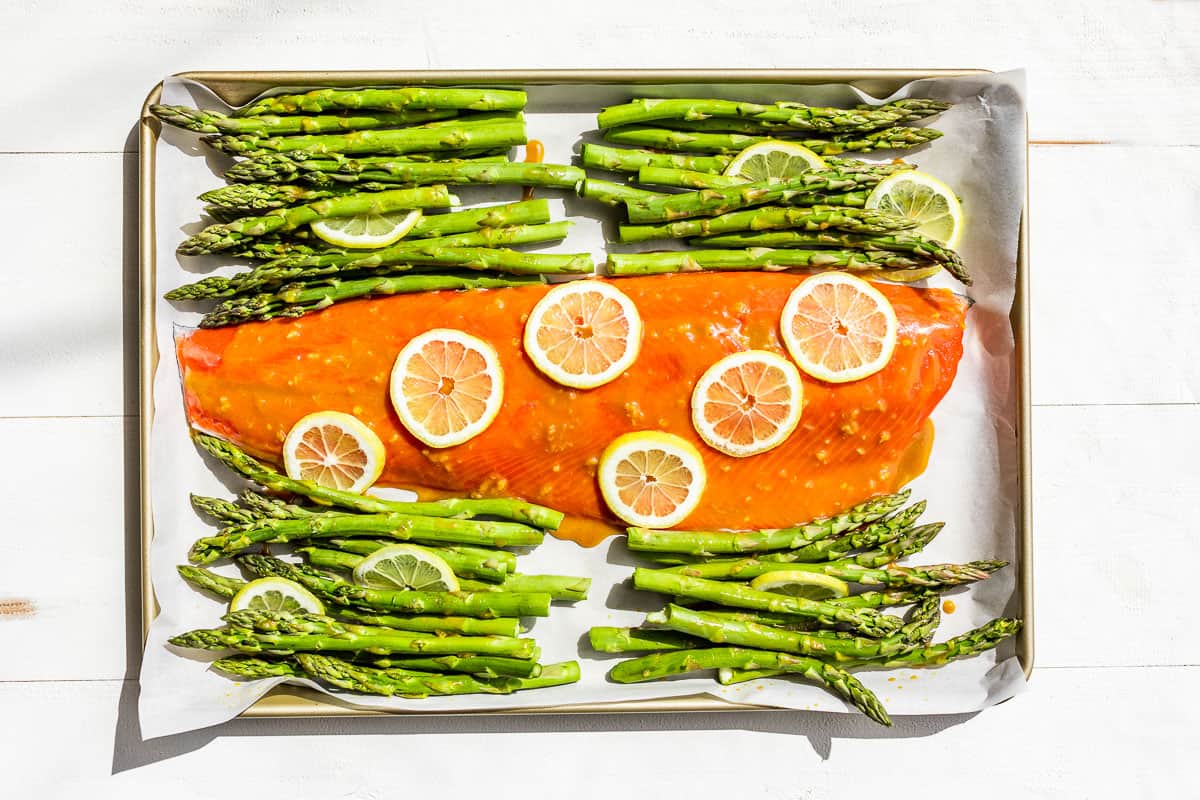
251,383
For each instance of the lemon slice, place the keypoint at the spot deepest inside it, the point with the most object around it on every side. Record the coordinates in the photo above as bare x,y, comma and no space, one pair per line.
651,479
773,159
838,328
447,386
405,566
583,334
366,231
276,594
921,197
335,450
797,583
748,402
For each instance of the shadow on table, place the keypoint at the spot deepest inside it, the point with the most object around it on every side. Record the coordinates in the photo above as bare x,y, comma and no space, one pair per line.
130,751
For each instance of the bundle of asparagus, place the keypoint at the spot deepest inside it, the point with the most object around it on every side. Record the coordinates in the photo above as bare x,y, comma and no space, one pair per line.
716,620
331,154
391,641
813,220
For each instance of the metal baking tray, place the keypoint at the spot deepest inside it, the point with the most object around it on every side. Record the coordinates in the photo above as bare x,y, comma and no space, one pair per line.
236,88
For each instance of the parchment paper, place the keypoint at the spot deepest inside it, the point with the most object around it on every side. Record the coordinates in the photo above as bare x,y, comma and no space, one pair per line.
971,482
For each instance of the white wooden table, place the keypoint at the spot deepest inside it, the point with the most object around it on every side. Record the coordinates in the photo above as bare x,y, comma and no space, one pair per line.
1114,111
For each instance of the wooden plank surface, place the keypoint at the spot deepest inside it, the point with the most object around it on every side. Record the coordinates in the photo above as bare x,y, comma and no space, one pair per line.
1114,94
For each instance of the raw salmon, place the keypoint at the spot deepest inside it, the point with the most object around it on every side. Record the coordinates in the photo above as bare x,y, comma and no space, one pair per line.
251,383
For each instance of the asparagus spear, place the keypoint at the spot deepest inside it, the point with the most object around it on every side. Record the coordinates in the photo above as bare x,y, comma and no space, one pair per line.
796,116
866,621
332,173
284,634
467,626
972,643
918,245
486,605
764,637
892,597
874,534
934,575
559,587
713,202
395,141
464,566
709,542
216,238
817,218
396,100
700,142
260,473
296,300
614,194
481,666
247,198
256,668
202,121
896,116
621,159
495,563
913,108
756,258
402,527
624,640
210,581
309,167
345,675
834,678
923,620
862,178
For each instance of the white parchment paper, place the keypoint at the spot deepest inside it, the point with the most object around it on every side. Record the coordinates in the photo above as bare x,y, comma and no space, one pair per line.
971,482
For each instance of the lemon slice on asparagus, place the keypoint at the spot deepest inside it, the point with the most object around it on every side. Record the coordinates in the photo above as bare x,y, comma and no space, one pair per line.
366,231
775,159
923,198
406,566
799,583
275,594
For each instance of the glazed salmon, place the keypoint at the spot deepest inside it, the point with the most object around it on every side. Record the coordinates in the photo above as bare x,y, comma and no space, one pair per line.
251,383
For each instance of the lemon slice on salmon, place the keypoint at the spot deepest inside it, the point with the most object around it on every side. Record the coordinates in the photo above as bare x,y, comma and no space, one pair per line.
583,334
334,449
651,479
447,386
747,403
838,328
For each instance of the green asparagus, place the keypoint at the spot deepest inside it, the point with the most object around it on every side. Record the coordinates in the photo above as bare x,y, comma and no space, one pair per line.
395,100
980,640
333,173
756,258
705,543
795,116
918,245
216,238
620,159
467,626
202,121
701,142
867,621
484,563
816,218
486,605
395,141
892,576
832,677
613,194
269,478
713,202
345,675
